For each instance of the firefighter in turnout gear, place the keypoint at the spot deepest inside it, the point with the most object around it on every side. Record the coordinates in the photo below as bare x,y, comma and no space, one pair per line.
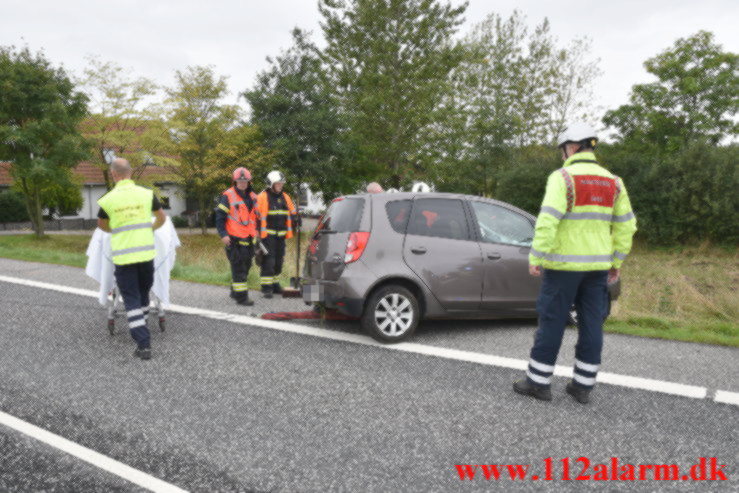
237,219
583,234
126,212
278,215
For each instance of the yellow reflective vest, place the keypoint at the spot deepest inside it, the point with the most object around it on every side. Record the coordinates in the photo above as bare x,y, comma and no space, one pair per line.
129,211
585,221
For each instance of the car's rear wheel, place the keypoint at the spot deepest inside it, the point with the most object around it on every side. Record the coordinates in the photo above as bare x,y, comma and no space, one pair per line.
391,314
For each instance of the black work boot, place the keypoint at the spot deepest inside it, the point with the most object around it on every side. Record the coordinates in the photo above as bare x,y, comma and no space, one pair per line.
267,291
143,353
276,288
245,301
541,392
580,394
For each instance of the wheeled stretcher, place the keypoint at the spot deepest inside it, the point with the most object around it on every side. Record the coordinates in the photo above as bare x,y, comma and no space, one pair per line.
101,268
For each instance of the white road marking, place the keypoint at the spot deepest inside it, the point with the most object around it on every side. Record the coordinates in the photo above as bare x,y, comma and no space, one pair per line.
726,397
628,381
90,456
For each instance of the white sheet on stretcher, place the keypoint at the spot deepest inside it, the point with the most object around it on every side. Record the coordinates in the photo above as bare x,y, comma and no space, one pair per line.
100,265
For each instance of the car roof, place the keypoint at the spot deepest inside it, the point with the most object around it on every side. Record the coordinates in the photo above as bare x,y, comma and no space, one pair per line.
385,197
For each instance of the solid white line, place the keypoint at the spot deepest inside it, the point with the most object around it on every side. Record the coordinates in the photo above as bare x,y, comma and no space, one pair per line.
628,381
726,397
90,456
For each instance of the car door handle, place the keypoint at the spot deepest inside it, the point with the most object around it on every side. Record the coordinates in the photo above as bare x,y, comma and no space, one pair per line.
418,250
494,256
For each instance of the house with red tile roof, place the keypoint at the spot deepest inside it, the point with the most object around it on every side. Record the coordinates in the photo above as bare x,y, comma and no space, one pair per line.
93,187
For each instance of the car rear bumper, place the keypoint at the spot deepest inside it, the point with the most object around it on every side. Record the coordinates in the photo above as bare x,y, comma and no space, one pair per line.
347,294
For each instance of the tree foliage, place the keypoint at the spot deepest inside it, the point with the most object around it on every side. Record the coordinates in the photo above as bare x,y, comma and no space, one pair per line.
40,111
515,88
681,197
389,62
125,120
292,105
208,138
695,97
199,120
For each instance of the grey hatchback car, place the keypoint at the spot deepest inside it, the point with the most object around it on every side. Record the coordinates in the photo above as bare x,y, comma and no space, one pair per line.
392,259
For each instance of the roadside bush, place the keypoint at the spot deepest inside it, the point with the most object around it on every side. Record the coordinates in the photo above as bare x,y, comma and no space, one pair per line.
180,221
523,183
683,197
12,207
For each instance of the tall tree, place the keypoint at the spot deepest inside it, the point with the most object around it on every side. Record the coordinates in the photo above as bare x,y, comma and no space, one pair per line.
40,110
293,107
208,138
516,87
695,97
124,121
389,62
242,146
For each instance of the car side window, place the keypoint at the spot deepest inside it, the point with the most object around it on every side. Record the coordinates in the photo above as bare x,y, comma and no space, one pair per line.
441,218
500,225
398,213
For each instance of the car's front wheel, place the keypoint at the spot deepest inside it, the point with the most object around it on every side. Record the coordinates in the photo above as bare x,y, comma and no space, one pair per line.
391,314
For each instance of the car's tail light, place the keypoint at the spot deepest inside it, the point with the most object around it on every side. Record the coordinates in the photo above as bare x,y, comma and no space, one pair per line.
355,246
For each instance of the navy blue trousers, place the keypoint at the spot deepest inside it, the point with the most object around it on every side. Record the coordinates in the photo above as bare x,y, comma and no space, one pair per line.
134,282
272,262
588,291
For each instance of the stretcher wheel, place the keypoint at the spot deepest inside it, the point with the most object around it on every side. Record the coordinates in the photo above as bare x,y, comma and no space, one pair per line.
162,324
111,326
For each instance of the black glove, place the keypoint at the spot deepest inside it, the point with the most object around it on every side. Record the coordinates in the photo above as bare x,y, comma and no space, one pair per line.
298,221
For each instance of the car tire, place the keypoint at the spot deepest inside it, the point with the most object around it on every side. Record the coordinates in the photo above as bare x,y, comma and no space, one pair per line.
391,314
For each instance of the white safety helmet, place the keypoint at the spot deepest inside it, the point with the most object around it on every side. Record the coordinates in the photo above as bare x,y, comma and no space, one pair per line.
275,177
578,133
420,187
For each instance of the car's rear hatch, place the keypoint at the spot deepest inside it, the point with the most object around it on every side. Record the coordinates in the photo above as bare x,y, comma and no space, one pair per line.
325,258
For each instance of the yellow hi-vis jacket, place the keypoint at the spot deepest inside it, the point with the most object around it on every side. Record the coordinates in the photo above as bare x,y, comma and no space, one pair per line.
129,210
585,221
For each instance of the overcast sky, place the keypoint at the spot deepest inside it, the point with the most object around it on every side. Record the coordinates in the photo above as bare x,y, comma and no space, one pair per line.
155,37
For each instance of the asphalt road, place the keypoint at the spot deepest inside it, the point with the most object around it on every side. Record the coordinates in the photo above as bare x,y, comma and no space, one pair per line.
705,365
229,407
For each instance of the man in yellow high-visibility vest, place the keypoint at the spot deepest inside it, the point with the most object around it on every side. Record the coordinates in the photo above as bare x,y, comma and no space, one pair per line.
583,234
126,212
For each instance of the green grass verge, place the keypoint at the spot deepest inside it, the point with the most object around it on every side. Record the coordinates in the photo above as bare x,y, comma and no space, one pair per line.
56,249
684,294
721,333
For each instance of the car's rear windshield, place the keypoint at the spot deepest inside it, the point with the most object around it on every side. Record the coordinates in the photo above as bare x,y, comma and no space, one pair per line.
343,216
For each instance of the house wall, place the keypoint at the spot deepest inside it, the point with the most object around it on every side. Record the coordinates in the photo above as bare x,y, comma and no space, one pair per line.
177,203
314,204
91,194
